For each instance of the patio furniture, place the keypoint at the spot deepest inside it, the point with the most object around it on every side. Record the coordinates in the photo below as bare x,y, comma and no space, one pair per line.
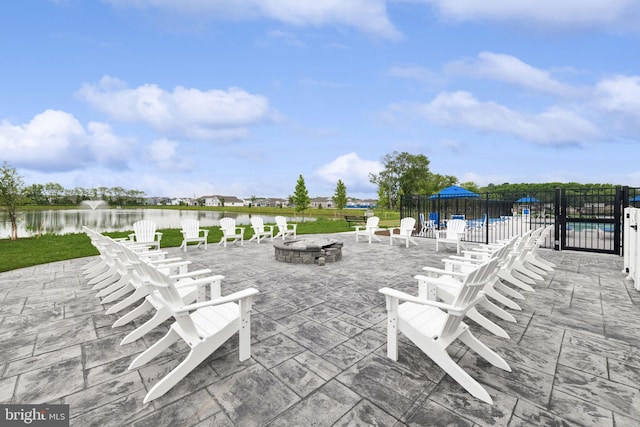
191,232
231,232
369,230
405,231
432,326
144,233
453,234
203,326
285,229
259,229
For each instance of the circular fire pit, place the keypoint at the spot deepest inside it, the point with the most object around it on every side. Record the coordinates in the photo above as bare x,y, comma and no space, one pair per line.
308,251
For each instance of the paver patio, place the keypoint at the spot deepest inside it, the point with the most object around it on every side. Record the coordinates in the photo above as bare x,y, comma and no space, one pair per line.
319,348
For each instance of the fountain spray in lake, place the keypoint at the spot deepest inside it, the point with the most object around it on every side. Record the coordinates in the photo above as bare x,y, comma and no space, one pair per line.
93,204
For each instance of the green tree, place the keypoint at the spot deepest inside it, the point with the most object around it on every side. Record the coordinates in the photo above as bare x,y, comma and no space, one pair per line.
403,173
11,188
301,196
340,197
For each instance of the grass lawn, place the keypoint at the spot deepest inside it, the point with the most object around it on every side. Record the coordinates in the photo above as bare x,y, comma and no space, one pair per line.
26,252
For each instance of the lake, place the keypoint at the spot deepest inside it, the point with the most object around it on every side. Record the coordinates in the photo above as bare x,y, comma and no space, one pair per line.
68,221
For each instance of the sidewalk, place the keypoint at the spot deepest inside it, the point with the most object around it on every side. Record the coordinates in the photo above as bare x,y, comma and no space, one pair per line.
319,348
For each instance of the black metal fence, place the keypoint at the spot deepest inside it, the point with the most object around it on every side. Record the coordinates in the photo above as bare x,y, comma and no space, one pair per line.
585,220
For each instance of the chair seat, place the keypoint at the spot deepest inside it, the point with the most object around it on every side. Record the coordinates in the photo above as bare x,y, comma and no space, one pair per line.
211,320
428,320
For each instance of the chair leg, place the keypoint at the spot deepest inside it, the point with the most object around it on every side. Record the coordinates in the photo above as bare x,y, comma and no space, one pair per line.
117,294
157,319
193,359
442,359
123,281
498,311
136,312
511,293
138,294
487,354
508,277
490,326
160,346
502,299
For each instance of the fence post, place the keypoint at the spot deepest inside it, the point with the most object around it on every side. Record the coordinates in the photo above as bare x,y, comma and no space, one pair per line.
559,221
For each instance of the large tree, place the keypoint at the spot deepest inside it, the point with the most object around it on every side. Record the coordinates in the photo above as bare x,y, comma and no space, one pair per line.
11,189
403,173
301,195
340,197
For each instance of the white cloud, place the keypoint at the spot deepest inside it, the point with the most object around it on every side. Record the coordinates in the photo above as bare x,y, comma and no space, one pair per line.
566,14
619,94
461,109
56,141
352,170
509,69
212,114
368,16
417,73
164,154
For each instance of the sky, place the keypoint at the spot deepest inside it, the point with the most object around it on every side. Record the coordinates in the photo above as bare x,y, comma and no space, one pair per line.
187,98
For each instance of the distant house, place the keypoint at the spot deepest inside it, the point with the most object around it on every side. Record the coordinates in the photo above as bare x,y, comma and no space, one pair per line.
362,204
267,201
218,200
183,201
322,202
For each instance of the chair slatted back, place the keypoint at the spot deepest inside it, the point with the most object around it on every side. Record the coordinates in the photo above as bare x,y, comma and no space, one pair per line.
472,285
257,224
407,225
372,223
190,228
145,230
455,227
228,225
281,222
171,299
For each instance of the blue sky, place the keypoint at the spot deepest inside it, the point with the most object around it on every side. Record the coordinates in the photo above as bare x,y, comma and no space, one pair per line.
198,97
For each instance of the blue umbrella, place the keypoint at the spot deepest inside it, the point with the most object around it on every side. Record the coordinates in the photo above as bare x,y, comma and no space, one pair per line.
453,192
527,199
635,198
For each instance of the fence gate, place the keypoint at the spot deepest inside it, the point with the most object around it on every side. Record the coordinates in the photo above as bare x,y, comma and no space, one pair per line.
590,221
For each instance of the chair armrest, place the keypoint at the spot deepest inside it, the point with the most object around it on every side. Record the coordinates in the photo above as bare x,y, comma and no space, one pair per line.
245,293
198,282
132,236
169,262
442,272
423,301
190,274
159,235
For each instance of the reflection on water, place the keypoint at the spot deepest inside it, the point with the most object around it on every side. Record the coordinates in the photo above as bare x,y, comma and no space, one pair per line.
71,220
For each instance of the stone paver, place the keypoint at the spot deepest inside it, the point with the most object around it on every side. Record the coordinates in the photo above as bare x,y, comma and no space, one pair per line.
319,347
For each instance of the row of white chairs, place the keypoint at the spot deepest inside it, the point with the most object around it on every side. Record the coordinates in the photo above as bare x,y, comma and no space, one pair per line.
434,319
130,273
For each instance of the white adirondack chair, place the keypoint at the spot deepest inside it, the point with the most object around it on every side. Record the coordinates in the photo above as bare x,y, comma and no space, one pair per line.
448,282
453,234
191,232
203,326
369,230
285,229
426,226
405,231
230,231
260,231
144,233
432,326
188,287
137,288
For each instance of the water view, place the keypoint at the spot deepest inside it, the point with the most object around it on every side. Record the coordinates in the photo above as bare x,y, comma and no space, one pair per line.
69,221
